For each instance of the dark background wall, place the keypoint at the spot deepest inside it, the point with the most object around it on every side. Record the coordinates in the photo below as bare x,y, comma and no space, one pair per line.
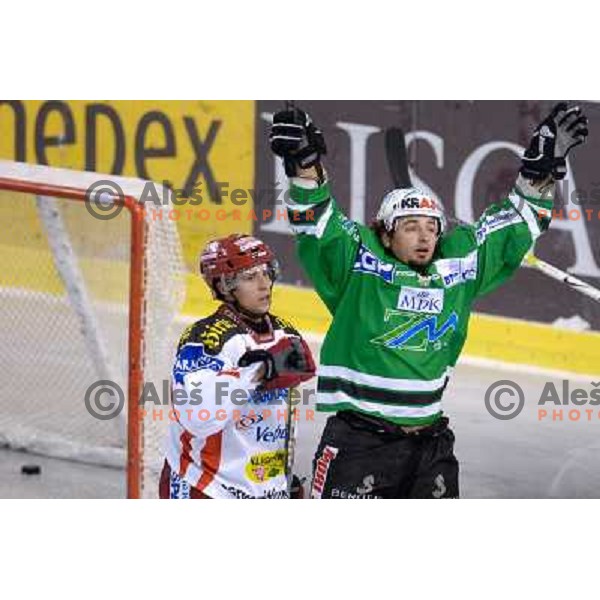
466,152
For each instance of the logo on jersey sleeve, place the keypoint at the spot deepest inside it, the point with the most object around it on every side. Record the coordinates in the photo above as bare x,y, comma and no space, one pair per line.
192,357
457,270
495,221
430,301
367,262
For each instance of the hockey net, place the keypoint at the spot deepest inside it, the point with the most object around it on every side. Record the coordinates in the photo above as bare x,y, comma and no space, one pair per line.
86,299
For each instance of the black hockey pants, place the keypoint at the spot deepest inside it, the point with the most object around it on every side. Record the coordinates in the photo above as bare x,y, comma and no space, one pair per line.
360,456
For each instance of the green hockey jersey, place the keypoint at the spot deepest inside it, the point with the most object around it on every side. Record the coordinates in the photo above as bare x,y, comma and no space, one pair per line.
397,333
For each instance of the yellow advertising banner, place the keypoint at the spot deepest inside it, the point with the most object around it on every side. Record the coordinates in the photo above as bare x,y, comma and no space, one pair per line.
202,149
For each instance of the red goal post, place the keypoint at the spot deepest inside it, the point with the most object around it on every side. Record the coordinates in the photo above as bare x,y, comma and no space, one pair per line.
148,238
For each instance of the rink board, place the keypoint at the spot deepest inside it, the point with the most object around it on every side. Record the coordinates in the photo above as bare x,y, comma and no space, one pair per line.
523,457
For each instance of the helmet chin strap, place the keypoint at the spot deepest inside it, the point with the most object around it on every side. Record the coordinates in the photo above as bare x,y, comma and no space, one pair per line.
256,323
248,313
253,316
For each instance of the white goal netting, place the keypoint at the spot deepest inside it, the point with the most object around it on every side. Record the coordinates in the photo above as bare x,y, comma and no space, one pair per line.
64,318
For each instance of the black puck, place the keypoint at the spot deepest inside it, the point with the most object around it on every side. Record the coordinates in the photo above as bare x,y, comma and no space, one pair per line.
31,469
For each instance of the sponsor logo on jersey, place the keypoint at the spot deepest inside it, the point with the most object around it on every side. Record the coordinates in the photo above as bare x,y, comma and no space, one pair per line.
322,468
270,435
457,270
420,300
270,494
422,280
363,492
192,357
348,226
214,334
247,422
346,495
179,488
277,396
368,263
265,466
417,332
495,221
405,273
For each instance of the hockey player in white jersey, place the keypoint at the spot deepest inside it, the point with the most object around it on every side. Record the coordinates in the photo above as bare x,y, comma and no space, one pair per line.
230,383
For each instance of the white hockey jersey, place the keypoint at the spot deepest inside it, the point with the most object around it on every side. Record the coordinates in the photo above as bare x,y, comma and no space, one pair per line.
229,439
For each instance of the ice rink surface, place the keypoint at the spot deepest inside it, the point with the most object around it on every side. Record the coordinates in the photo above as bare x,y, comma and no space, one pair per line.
524,457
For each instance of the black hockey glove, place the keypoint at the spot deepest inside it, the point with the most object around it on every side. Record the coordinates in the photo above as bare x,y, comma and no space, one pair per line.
563,129
297,140
288,363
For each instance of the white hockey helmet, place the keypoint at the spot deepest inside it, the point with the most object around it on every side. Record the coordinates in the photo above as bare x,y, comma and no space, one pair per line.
404,202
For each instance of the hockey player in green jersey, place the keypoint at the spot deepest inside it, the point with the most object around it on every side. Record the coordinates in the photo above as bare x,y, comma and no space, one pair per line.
400,294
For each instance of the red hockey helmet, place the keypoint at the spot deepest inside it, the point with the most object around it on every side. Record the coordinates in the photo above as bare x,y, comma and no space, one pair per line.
222,259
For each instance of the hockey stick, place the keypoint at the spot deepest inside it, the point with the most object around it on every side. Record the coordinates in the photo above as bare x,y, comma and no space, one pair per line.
395,151
555,273
290,443
290,440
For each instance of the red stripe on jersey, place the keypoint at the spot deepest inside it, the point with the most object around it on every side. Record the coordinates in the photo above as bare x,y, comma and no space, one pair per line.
185,454
210,458
230,372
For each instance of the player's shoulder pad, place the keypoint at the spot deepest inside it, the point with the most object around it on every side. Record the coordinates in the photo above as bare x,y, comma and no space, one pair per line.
281,323
212,332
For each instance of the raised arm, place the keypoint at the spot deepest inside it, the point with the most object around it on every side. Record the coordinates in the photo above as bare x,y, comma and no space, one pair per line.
506,231
327,241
